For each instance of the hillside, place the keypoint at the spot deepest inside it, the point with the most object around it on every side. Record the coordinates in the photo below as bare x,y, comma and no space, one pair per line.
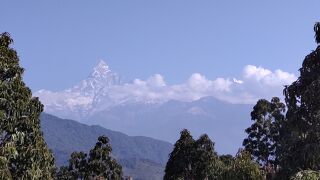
141,157
223,122
144,107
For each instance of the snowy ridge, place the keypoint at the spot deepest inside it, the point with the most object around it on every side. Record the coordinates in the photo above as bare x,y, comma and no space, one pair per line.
82,99
103,90
101,78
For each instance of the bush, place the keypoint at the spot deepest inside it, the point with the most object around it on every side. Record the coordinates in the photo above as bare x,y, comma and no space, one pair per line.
306,175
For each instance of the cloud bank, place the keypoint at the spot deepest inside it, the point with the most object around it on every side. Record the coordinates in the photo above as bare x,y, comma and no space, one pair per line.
255,83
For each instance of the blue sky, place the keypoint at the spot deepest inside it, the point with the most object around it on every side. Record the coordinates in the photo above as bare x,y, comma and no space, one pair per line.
59,42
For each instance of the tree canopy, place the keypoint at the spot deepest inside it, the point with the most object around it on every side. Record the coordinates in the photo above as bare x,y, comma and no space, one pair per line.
98,165
264,134
300,147
180,163
192,159
23,151
306,175
242,167
197,160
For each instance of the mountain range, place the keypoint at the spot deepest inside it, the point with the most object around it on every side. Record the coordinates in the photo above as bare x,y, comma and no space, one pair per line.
141,157
102,99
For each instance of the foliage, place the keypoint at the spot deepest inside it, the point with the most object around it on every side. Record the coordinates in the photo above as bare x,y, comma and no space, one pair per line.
4,169
317,32
226,160
243,168
263,135
140,157
180,163
306,175
192,159
78,165
206,161
64,174
99,164
300,145
23,151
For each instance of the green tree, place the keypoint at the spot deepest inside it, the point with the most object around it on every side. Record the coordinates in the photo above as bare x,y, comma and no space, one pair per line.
64,174
193,160
99,164
300,146
206,161
4,169
306,175
226,160
180,163
264,133
243,168
23,151
78,165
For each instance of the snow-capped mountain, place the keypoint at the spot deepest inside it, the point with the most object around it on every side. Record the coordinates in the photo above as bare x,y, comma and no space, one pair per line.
80,100
148,107
103,89
100,79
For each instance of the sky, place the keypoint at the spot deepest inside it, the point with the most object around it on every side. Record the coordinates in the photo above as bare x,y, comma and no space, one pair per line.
59,42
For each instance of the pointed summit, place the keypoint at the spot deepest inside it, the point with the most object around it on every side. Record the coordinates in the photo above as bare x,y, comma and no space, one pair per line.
101,69
101,77
102,65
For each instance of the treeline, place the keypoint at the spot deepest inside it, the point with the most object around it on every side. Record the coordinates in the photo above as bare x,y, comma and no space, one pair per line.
283,141
197,160
23,152
98,165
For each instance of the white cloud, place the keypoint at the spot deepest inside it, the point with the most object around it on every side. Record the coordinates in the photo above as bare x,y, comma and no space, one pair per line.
257,73
198,82
255,83
156,80
222,85
267,77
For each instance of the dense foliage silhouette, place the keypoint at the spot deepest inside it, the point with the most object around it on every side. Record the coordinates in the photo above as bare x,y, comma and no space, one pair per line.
23,151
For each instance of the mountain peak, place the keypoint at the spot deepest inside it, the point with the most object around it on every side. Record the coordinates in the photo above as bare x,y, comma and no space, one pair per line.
101,69
101,63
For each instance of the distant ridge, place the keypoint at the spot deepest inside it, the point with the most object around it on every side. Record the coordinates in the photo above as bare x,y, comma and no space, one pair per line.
139,108
142,157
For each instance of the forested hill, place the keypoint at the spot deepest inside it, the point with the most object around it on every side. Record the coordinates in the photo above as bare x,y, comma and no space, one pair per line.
141,157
